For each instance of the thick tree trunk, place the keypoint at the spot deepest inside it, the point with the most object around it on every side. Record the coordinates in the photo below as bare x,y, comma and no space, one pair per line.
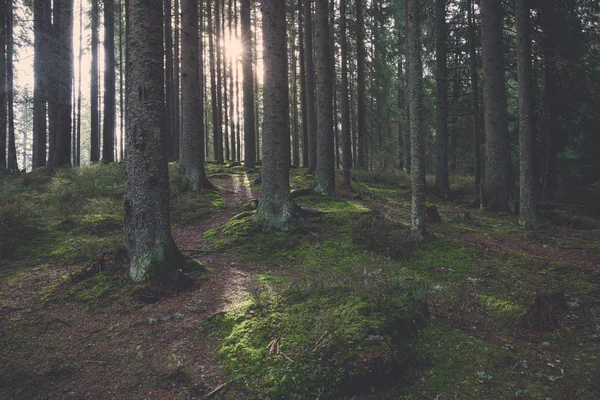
177,128
360,61
225,110
220,70
441,76
325,168
524,70
148,239
407,135
3,87
191,162
295,126
346,139
237,90
77,141
499,185
416,124
551,126
94,86
62,71
121,88
309,69
248,86
275,206
40,65
475,98
108,127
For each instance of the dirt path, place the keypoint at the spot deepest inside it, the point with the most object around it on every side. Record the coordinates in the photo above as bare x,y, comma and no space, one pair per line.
60,350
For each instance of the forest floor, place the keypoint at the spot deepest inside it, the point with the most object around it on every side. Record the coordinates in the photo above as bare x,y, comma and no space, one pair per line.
320,311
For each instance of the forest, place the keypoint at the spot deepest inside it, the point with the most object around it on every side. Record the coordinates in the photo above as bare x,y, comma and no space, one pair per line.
299,199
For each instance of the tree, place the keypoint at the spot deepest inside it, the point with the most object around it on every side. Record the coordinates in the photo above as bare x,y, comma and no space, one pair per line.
499,184
346,140
3,85
441,76
476,119
12,150
148,238
108,128
191,162
303,89
94,113
524,70
309,70
360,61
416,132
60,97
248,86
213,83
325,168
275,206
41,11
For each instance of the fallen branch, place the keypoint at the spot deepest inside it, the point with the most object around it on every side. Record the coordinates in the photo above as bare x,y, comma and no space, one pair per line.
219,388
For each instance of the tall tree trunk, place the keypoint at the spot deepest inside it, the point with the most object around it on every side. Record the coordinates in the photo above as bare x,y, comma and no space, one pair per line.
407,134
225,111
148,239
475,97
325,169
232,62
237,89
94,113
256,92
3,86
332,67
400,97
60,106
303,88
121,96
219,55
40,64
551,111
360,60
295,145
108,128
172,142
499,184
275,207
213,81
346,140
416,122
311,114
524,70
77,149
191,162
177,128
13,166
248,86
441,76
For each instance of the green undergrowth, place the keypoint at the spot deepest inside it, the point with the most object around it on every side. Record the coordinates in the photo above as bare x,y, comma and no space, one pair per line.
331,338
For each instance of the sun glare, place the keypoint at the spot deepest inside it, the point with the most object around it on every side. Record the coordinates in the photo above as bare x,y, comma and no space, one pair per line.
233,47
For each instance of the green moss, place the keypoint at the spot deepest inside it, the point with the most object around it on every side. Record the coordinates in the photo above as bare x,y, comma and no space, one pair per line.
334,341
447,255
502,309
94,292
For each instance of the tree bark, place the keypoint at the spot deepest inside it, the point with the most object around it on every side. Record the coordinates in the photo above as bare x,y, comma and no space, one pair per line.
407,135
148,239
360,61
232,62
325,168
416,124
77,147
524,71
220,71
275,206
248,86
213,82
475,98
62,71
191,162
309,69
499,184
3,86
441,76
108,127
346,140
13,166
95,115
303,89
40,65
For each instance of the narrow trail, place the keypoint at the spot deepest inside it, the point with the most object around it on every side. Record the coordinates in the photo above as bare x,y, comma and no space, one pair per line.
61,350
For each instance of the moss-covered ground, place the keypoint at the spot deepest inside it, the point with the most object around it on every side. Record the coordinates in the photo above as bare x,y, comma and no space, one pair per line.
342,305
